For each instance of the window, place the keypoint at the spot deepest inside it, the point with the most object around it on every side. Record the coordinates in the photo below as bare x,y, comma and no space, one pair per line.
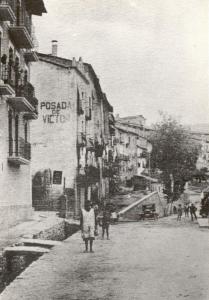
17,77
16,134
79,103
88,109
57,177
10,67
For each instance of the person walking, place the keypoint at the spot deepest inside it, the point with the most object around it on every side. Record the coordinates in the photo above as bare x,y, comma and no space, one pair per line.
179,213
106,218
88,226
193,212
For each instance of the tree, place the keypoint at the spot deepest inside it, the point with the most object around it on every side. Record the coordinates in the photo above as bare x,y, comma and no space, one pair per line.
174,154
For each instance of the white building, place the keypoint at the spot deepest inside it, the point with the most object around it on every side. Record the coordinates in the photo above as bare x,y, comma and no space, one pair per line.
71,134
18,107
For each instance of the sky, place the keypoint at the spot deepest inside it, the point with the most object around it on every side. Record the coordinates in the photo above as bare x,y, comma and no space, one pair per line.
150,56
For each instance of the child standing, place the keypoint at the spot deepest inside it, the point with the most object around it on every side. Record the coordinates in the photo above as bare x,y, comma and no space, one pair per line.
88,225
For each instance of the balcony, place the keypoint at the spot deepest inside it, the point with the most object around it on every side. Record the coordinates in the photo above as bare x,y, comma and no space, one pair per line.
122,157
25,101
19,152
7,80
21,37
142,143
7,11
6,89
91,176
81,139
30,56
21,30
14,82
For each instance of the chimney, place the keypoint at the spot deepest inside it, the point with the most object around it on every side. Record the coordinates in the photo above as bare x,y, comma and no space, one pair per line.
54,47
74,64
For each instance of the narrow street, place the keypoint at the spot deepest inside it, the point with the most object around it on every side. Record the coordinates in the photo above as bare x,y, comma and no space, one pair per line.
162,259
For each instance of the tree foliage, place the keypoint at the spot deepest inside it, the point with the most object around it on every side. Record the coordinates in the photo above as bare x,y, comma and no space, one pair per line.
174,154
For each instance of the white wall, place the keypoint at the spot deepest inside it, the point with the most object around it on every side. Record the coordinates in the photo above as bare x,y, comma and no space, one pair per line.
15,181
54,135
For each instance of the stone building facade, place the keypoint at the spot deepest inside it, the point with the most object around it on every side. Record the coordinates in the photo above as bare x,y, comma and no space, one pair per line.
18,107
71,136
132,148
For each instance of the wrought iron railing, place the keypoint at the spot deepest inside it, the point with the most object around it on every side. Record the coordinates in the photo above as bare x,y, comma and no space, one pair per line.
27,91
11,3
17,80
19,148
8,74
23,18
92,171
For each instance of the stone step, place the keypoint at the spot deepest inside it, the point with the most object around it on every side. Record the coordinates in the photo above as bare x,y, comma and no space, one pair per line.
18,250
40,243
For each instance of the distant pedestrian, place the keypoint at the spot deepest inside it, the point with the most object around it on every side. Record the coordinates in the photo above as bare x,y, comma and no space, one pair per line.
114,217
106,218
88,226
186,210
179,213
193,212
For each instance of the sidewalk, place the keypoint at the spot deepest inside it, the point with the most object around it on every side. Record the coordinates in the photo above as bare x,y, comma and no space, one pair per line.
40,222
142,260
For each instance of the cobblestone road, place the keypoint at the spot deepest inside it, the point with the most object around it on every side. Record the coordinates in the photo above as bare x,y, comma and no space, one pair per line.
152,260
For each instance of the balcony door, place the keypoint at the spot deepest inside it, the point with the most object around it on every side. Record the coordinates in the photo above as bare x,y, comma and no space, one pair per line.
18,7
26,131
0,54
10,124
16,134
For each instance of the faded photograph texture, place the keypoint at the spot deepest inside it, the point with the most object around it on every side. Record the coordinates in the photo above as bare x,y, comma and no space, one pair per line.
104,150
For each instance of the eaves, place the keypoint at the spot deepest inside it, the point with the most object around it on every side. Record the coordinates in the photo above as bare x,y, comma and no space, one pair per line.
65,67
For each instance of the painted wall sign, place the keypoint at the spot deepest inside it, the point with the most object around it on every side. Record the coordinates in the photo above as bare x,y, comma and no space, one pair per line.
56,111
55,105
57,177
54,118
